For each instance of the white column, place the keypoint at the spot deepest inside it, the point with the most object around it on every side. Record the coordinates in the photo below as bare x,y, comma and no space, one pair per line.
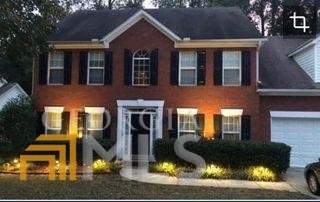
119,131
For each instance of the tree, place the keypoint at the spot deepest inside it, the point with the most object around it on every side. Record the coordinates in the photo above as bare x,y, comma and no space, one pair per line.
25,25
18,123
107,4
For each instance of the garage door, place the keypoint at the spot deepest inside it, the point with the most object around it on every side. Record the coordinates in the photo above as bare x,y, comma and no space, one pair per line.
301,132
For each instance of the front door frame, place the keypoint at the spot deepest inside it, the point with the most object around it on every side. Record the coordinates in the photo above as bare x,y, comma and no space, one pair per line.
123,109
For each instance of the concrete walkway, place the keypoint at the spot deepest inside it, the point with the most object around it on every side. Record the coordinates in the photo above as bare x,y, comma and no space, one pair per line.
144,176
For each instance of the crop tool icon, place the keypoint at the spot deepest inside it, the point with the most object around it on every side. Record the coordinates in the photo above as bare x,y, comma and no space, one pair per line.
51,157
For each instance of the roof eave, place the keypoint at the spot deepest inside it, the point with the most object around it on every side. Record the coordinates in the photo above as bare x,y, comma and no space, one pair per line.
289,92
219,43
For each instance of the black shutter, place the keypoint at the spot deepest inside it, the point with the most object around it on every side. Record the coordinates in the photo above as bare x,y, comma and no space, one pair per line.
217,73
201,68
174,71
83,67
200,123
245,127
65,122
43,69
106,133
174,132
82,122
127,67
40,125
108,60
67,67
154,67
245,68
217,124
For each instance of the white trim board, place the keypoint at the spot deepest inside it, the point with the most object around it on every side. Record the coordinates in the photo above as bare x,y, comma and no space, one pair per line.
294,114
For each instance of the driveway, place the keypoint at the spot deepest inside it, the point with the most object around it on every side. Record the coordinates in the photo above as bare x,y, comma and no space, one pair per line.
295,178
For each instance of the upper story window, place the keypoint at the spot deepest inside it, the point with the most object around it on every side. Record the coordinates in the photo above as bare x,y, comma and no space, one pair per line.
141,68
231,62
188,68
96,68
55,70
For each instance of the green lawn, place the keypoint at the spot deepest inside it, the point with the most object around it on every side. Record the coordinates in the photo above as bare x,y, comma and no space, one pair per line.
112,186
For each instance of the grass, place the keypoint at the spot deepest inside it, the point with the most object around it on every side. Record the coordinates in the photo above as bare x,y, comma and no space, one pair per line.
112,186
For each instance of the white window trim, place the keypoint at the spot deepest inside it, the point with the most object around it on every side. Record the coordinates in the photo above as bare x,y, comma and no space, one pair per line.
238,68
49,68
89,68
187,68
186,111
49,109
132,73
232,113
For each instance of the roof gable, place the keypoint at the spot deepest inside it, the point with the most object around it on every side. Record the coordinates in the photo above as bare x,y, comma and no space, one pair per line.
133,20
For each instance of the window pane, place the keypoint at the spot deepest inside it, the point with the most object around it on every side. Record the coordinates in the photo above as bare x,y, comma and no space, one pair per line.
56,76
53,120
95,121
188,76
188,59
231,136
96,59
141,68
96,76
231,59
56,59
231,77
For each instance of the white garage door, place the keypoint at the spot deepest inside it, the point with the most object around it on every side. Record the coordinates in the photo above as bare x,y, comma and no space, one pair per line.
301,132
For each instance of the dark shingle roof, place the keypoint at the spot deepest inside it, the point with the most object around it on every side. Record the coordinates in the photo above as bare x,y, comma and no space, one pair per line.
6,87
277,70
196,23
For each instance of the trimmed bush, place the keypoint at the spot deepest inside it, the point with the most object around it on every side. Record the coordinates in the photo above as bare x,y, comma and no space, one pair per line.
228,154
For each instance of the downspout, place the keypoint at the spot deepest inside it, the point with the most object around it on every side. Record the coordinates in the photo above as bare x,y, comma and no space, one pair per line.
257,63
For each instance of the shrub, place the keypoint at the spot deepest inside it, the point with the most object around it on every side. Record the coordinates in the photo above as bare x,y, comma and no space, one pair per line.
165,167
260,173
101,166
18,124
217,172
228,154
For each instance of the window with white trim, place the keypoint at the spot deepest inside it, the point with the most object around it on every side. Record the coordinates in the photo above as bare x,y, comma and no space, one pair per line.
231,64
187,124
231,127
53,120
141,68
187,68
55,69
94,121
96,67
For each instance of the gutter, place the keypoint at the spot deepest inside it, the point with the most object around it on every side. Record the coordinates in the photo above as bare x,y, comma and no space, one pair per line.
289,92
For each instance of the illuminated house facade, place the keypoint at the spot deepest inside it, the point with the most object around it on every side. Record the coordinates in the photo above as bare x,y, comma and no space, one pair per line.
156,72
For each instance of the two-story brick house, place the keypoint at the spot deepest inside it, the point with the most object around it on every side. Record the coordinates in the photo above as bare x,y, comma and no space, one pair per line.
159,71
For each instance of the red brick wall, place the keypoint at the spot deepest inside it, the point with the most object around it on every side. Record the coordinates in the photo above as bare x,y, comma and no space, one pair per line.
209,99
282,103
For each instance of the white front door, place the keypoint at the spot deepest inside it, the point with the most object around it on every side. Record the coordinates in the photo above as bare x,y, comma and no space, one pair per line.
138,117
